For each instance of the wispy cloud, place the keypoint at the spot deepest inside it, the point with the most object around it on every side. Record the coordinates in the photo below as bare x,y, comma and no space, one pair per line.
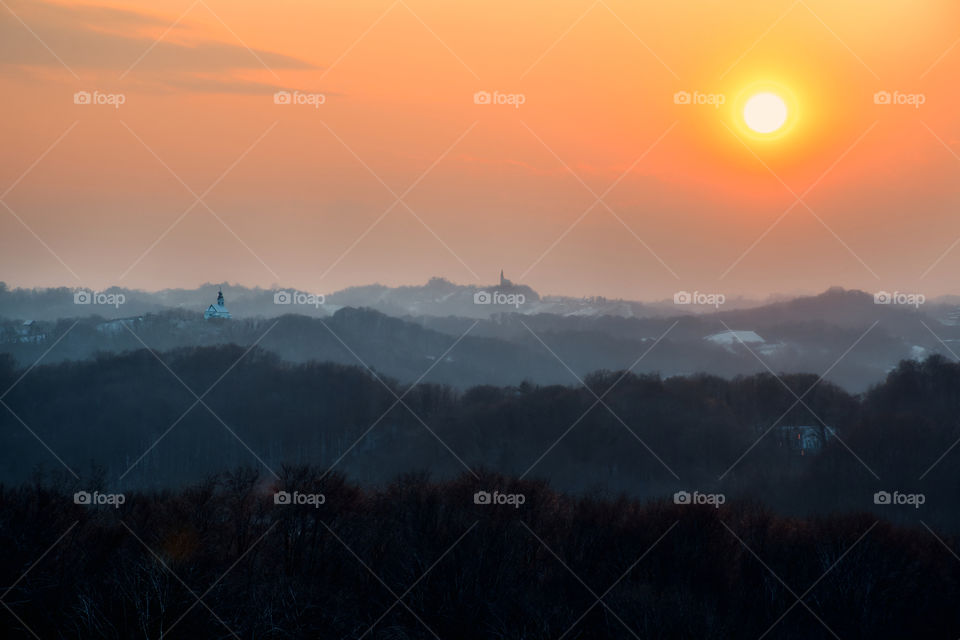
102,40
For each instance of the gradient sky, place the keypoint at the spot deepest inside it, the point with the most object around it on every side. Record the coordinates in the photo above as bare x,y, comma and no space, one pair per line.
301,196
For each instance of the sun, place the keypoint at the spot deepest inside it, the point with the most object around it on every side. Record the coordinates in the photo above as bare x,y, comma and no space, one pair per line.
765,112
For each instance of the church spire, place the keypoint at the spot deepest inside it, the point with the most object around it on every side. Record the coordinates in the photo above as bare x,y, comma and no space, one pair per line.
218,310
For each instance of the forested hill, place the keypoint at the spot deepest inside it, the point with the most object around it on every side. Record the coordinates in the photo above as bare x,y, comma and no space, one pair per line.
137,419
510,348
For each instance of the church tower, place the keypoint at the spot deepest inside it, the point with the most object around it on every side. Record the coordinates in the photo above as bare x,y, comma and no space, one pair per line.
219,310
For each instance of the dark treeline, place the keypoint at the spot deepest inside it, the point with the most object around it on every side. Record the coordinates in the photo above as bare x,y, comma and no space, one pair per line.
138,421
462,570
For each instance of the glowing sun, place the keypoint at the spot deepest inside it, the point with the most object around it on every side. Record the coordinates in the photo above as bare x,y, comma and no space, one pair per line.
765,112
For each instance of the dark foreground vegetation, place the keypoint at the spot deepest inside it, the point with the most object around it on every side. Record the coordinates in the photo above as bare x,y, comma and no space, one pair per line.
459,570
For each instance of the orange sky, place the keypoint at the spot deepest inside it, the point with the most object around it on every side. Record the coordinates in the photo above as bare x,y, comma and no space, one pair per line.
299,193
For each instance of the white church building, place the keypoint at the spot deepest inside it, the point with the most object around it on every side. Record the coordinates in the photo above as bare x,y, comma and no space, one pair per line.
218,310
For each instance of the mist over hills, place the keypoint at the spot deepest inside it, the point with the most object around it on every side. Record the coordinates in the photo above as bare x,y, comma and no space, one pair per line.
438,297
454,341
305,387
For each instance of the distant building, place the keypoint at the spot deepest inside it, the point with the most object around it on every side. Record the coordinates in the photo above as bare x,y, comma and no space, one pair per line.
506,286
805,438
29,331
735,341
728,338
117,326
218,310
